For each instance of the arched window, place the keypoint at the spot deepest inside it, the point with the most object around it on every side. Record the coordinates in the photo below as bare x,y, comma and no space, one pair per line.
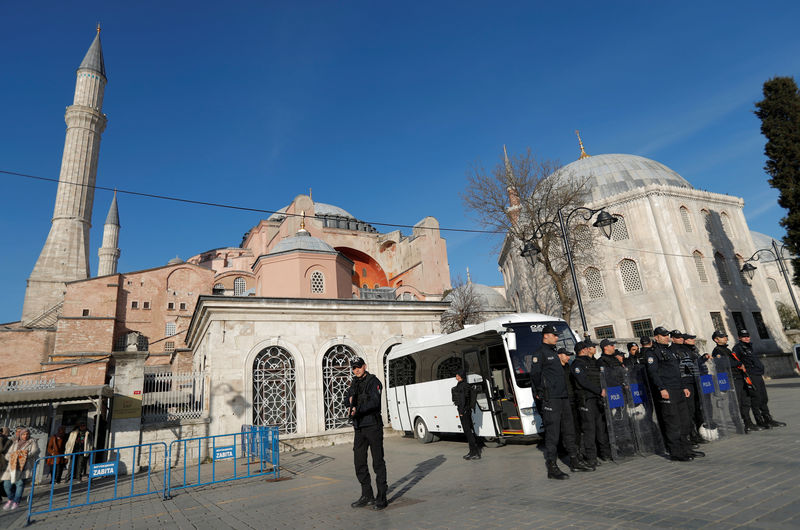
583,236
336,378
726,223
274,390
218,289
171,329
449,367
631,281
742,275
773,285
619,231
239,286
317,282
707,221
700,266
594,283
687,221
722,269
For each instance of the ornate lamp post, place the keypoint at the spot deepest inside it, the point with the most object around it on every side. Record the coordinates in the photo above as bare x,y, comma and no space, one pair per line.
776,252
604,222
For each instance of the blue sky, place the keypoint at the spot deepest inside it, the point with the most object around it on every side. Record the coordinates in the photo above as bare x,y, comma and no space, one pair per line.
380,107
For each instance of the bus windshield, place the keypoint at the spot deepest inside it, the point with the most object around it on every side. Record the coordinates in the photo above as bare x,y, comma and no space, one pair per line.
529,340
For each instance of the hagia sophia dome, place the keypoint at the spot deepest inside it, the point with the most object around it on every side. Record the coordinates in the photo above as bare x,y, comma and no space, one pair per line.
612,174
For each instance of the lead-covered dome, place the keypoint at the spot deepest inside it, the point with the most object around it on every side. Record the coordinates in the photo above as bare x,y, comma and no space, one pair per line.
302,240
612,174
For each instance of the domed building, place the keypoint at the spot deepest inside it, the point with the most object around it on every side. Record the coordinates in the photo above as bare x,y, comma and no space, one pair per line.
674,259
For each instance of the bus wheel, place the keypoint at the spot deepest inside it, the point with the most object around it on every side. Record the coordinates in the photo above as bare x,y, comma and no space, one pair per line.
421,432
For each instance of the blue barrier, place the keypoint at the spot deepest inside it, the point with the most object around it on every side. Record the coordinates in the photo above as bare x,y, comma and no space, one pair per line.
101,466
219,458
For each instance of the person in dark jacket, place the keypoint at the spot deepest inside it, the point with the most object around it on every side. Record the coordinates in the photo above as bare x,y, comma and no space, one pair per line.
549,388
738,372
690,372
755,369
363,400
464,399
589,394
611,363
634,356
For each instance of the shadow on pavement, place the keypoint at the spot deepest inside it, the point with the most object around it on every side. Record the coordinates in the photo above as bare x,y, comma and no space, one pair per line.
422,470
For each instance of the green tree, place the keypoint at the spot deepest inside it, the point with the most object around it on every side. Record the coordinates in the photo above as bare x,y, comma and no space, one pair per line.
779,112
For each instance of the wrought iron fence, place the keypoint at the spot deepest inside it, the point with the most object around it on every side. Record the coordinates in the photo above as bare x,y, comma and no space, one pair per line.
172,396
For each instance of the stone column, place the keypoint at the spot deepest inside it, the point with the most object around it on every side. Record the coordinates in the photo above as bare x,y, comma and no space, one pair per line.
126,415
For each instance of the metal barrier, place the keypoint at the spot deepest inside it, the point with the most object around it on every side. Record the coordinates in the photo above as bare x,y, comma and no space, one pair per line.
108,473
220,458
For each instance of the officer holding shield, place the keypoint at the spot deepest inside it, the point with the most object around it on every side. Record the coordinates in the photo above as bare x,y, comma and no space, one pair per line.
589,392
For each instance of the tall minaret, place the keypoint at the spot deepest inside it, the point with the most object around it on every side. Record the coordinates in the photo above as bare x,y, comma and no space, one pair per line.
109,252
65,256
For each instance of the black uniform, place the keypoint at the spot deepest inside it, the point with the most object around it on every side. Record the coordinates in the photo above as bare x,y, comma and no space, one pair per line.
366,398
690,371
613,369
755,369
550,385
588,393
663,369
464,399
738,375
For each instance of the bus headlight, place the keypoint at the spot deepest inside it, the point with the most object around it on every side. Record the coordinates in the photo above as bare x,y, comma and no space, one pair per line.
528,411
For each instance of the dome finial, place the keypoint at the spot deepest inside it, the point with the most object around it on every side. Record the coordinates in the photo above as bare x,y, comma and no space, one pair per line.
98,27
580,143
302,220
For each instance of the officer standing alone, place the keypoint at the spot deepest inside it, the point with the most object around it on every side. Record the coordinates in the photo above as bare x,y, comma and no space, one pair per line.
549,387
464,399
363,400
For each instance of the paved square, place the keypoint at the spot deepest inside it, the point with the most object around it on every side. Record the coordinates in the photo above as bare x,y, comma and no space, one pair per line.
746,481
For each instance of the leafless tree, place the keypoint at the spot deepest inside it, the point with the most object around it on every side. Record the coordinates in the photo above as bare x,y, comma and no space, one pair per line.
465,307
521,197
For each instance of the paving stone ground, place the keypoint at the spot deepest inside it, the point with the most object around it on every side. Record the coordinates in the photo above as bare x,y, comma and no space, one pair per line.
746,481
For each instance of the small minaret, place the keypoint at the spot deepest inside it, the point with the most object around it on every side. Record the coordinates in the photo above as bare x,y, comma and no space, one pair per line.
65,256
109,252
513,196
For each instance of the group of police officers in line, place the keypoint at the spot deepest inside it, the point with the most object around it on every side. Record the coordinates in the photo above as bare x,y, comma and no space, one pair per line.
570,396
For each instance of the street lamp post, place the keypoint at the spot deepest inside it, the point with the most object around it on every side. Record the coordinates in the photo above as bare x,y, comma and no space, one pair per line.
604,222
749,269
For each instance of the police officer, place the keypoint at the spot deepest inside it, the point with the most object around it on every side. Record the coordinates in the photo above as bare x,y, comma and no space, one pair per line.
690,371
699,368
363,400
647,345
663,369
738,371
549,388
589,393
633,357
755,369
464,399
611,363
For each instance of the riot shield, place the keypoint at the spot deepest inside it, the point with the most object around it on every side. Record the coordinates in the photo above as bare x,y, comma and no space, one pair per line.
723,417
646,433
618,422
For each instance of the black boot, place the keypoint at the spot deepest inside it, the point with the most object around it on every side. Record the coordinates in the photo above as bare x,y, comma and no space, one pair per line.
750,426
773,422
554,472
364,500
576,464
380,503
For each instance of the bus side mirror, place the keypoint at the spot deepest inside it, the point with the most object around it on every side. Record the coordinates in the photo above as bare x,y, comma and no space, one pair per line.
511,340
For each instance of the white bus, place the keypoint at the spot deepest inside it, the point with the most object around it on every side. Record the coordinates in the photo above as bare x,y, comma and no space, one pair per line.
496,356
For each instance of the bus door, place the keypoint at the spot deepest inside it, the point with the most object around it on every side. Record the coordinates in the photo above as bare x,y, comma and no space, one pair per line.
484,418
506,406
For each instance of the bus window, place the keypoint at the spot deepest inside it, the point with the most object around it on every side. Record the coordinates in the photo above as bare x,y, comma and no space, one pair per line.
529,340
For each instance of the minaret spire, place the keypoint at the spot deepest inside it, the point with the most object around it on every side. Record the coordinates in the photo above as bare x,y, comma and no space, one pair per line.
109,252
580,143
65,256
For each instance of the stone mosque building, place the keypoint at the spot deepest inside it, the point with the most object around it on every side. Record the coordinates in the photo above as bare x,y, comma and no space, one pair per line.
674,259
267,327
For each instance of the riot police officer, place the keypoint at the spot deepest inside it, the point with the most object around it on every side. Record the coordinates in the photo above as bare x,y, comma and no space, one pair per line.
611,363
663,369
739,373
464,399
690,371
589,394
755,369
634,356
647,345
363,400
549,388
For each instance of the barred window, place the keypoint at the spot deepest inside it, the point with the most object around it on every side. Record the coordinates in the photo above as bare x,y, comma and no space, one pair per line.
583,236
239,286
171,329
619,231
701,268
134,304
604,332
336,378
773,285
642,328
760,326
722,269
687,221
169,346
716,321
594,283
738,319
317,282
631,280
142,343
707,221
726,223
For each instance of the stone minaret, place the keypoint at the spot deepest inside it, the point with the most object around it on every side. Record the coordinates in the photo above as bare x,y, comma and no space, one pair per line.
65,256
109,252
